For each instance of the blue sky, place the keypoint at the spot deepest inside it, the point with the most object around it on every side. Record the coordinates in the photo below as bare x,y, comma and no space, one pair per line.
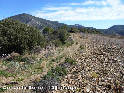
91,13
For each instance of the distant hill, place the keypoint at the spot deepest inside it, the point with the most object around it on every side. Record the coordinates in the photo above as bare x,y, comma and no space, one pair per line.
36,21
114,30
41,23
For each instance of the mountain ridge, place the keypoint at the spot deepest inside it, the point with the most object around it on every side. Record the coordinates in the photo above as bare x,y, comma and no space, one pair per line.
37,22
29,19
114,30
41,23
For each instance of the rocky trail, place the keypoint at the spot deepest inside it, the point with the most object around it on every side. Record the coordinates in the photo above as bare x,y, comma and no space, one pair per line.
99,68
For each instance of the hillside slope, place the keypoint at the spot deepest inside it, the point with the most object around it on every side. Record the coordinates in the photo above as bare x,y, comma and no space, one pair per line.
35,21
114,30
98,67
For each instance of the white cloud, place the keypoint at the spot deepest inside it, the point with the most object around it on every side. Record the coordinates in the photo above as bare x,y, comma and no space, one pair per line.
90,2
57,8
109,10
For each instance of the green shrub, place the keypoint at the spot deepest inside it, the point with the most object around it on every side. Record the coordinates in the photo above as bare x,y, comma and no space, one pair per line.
53,60
57,43
58,36
60,71
19,59
70,61
69,43
76,43
18,37
6,74
63,35
57,72
48,30
73,30
2,90
58,58
81,47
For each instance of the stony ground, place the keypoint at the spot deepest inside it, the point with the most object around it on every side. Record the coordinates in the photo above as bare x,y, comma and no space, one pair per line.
99,68
99,65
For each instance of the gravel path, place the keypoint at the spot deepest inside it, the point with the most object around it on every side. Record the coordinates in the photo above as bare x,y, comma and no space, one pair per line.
99,68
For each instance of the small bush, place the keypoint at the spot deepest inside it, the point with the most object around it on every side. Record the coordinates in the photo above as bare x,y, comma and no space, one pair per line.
57,43
53,60
76,43
59,58
60,71
56,72
22,59
2,90
57,36
6,74
69,43
70,61
81,47
48,30
63,35
73,30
